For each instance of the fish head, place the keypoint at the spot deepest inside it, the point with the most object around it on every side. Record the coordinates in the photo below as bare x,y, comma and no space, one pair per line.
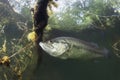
54,48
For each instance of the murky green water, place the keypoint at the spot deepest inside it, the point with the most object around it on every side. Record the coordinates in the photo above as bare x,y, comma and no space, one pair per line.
101,69
74,23
96,69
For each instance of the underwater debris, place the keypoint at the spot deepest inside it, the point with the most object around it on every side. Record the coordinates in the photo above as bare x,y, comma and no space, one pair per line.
5,76
5,60
32,36
50,4
18,52
4,48
22,25
116,46
2,30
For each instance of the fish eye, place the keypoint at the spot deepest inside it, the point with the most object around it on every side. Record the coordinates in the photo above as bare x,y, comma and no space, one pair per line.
50,41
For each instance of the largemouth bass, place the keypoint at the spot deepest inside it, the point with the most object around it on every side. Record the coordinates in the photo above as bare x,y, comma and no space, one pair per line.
69,47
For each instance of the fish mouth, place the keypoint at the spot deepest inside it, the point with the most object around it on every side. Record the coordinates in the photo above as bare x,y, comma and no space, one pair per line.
44,45
41,44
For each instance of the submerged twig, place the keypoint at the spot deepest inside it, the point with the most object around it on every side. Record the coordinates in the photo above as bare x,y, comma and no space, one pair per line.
21,50
115,46
5,76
